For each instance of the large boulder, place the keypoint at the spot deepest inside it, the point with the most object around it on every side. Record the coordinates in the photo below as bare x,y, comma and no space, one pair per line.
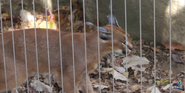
162,18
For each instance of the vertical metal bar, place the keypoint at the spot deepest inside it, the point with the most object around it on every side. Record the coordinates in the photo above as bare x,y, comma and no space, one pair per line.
47,35
170,31
36,51
85,43
4,60
154,47
140,26
13,44
184,76
71,12
60,45
97,11
112,35
126,38
25,52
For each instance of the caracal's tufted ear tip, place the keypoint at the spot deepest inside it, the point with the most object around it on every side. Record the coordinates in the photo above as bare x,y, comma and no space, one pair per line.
109,17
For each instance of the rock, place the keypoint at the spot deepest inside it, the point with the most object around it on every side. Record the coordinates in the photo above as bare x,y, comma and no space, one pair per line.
39,86
161,17
166,87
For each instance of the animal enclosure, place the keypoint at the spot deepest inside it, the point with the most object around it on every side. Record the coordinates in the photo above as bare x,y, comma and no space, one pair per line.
92,46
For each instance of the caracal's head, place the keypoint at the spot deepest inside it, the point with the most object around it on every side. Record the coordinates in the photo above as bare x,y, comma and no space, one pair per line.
121,40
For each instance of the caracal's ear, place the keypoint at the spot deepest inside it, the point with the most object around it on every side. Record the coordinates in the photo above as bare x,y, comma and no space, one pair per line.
103,32
109,17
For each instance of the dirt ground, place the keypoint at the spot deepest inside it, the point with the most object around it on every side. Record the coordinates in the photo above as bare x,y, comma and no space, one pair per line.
134,76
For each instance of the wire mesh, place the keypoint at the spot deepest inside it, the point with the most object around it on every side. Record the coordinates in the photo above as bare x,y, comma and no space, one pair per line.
85,44
97,12
126,37
72,38
112,38
60,45
48,52
25,53
14,59
140,29
170,44
154,47
4,60
36,49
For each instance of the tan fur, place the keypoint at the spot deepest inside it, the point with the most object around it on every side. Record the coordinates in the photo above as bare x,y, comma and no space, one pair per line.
67,61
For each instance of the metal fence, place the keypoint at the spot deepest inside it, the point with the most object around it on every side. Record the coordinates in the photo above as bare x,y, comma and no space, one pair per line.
9,60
